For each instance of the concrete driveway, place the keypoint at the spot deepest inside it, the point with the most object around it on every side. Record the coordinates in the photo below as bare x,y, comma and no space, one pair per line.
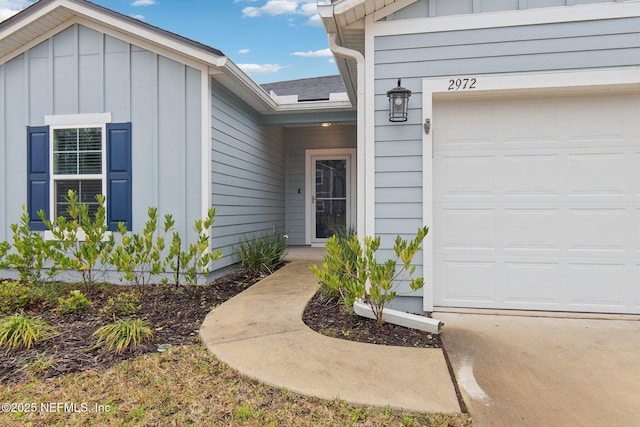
539,371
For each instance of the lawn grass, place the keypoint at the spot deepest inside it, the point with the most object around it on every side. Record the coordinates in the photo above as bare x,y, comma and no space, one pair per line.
187,386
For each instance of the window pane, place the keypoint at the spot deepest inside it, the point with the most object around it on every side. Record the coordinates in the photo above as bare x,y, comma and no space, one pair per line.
90,139
65,140
86,191
77,151
65,163
90,163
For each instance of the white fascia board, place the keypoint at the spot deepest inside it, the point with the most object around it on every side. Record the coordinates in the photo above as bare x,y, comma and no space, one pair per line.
513,18
234,72
391,8
315,105
349,11
326,15
30,18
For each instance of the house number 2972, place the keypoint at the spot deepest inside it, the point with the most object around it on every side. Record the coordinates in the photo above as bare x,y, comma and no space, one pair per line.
462,84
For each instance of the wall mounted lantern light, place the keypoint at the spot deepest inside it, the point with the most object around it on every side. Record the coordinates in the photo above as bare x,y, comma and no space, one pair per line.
398,103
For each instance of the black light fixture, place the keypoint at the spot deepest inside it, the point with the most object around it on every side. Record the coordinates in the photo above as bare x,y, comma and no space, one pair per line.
398,103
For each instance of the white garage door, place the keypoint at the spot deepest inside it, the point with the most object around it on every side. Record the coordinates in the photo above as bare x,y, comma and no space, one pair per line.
537,202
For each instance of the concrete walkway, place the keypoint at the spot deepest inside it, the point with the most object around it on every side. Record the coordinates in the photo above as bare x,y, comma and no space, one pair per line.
260,333
536,371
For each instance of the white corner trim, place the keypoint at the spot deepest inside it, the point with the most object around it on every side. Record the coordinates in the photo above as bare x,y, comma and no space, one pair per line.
77,119
205,142
512,18
496,84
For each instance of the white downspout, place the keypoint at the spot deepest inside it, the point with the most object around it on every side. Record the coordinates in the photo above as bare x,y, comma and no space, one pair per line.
361,128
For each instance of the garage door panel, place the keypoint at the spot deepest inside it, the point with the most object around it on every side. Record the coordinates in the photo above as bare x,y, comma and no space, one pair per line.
467,229
531,174
532,229
604,230
588,174
585,289
536,203
469,281
467,175
531,284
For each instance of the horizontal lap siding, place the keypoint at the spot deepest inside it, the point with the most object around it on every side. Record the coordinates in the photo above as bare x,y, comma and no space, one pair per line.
247,174
534,48
298,140
80,71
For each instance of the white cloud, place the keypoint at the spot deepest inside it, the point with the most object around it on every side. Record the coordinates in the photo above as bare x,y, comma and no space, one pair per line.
143,2
138,17
243,51
9,8
322,53
260,68
287,7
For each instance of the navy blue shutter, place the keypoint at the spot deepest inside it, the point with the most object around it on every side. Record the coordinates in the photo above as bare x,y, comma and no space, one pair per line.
119,189
37,175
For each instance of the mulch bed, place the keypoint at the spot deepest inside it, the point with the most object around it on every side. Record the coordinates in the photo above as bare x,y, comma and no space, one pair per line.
332,319
175,315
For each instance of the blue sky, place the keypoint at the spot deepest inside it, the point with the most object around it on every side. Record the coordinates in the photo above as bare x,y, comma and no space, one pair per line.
272,40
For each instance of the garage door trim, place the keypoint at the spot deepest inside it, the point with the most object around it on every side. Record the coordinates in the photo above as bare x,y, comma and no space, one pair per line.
483,85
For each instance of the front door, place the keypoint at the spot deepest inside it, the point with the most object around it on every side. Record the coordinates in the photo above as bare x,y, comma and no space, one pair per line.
330,179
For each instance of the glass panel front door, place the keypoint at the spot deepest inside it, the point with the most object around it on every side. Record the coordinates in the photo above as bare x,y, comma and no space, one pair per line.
329,198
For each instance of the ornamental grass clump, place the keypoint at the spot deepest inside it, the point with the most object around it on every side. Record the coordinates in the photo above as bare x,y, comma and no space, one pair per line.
263,253
21,330
122,334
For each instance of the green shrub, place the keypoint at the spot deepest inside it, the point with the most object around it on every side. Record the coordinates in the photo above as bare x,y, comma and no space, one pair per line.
383,278
30,251
353,271
76,302
263,253
80,239
20,330
121,334
195,262
123,305
139,256
338,274
15,295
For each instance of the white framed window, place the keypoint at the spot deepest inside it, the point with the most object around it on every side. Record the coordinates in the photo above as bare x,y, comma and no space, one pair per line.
77,161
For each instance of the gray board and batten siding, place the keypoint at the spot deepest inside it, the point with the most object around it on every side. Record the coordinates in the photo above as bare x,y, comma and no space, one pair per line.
248,170
81,71
414,57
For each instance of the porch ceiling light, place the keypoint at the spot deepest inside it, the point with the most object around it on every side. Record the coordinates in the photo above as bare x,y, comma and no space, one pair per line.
398,103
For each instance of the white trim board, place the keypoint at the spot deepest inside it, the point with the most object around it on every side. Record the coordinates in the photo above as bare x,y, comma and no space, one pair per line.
499,84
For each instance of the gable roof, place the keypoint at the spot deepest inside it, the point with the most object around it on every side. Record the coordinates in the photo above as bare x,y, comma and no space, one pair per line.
45,18
59,17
